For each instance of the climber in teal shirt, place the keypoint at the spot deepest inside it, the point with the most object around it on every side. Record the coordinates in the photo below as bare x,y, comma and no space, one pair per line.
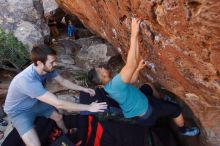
131,100
135,102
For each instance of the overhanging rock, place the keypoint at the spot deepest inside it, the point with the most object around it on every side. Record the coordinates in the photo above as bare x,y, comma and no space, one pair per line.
180,38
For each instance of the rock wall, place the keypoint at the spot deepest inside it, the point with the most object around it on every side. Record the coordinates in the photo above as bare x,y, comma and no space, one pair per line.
25,20
180,41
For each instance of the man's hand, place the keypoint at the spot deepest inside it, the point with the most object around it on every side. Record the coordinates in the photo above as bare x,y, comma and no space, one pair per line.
90,91
135,26
97,107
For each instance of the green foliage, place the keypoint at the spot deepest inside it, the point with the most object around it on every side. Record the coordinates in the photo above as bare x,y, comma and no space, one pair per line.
13,53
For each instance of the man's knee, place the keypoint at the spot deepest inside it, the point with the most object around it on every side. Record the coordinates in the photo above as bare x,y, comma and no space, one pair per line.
30,138
56,116
33,144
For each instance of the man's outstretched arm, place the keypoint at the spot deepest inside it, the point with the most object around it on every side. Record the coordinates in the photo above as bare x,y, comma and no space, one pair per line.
133,53
70,85
51,99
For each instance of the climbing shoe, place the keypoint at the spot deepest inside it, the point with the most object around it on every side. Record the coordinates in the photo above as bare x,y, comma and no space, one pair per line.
193,131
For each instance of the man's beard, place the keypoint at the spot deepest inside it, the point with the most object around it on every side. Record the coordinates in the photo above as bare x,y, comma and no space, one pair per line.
45,69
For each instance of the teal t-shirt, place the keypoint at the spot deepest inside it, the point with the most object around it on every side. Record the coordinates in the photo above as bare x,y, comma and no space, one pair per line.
131,100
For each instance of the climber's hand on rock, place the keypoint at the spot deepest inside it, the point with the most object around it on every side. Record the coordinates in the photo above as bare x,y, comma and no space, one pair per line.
135,26
141,65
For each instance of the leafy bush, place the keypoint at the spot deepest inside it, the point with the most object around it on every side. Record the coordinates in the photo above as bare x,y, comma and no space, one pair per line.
13,54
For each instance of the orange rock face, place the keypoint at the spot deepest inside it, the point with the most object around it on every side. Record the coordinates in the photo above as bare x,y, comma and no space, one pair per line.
179,38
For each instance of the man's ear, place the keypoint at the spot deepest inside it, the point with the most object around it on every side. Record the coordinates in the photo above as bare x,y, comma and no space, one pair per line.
39,63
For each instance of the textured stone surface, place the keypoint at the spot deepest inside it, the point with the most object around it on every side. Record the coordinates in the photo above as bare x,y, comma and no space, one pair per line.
49,5
73,64
94,51
25,20
179,38
28,34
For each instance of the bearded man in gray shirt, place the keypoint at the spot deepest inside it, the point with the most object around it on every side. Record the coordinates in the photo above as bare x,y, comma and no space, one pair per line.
27,97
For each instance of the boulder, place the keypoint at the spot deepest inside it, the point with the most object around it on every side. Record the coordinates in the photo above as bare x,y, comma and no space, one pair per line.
49,5
94,51
82,33
28,33
178,38
25,19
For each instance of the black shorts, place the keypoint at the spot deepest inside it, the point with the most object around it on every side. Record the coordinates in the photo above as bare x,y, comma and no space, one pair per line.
160,108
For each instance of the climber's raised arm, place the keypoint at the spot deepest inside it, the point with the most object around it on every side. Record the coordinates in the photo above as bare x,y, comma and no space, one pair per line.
133,53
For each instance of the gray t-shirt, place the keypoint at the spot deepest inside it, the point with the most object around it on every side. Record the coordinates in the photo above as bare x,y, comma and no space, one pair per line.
24,89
